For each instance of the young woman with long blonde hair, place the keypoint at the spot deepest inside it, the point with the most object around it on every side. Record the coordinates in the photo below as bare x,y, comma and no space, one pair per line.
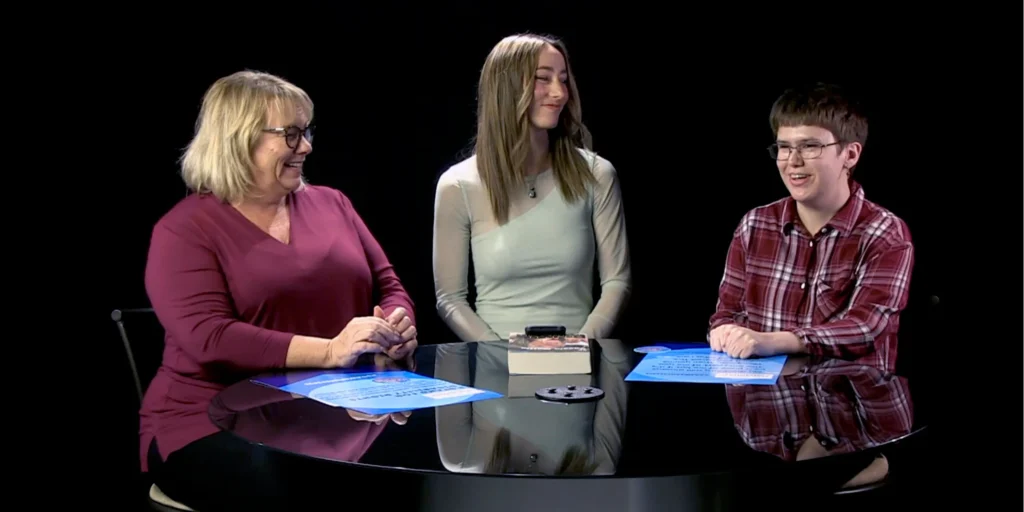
534,207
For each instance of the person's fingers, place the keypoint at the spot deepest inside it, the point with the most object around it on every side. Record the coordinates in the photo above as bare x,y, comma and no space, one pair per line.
374,321
396,353
742,346
385,337
716,340
378,312
723,344
362,416
371,335
734,335
404,349
737,344
382,361
727,338
739,347
409,333
360,328
389,331
752,346
403,324
720,335
366,347
397,315
747,351
377,418
399,418
731,347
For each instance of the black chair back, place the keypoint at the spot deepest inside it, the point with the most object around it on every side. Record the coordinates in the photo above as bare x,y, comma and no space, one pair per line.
143,340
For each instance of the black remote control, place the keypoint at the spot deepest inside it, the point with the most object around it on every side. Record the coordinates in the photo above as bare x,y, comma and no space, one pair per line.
545,330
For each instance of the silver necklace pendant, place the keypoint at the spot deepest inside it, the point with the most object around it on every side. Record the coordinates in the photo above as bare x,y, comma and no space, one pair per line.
533,193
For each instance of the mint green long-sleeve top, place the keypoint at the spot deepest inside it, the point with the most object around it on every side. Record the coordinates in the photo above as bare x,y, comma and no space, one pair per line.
537,268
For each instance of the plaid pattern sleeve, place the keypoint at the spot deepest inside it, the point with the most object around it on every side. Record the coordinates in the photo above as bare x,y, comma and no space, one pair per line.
839,290
731,308
878,294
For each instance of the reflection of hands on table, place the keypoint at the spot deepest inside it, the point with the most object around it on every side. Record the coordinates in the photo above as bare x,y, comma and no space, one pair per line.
384,362
400,418
792,366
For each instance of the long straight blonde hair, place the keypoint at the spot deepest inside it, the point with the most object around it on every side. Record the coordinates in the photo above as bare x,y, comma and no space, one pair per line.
502,141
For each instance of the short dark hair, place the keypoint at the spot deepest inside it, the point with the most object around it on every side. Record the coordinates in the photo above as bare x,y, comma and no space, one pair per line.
825,105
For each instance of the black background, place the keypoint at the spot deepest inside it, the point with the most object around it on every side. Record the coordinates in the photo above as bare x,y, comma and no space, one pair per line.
681,113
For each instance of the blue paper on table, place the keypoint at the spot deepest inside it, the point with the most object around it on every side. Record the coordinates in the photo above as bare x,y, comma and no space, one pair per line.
676,345
704,366
376,392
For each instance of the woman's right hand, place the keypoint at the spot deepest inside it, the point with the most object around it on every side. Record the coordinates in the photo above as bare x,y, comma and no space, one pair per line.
362,335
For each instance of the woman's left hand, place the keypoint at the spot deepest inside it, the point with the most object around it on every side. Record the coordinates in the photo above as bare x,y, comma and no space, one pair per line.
399,319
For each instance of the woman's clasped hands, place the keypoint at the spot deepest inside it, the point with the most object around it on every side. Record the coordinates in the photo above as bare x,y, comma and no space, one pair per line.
394,335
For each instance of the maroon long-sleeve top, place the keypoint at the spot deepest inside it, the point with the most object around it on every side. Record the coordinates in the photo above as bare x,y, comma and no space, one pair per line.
230,298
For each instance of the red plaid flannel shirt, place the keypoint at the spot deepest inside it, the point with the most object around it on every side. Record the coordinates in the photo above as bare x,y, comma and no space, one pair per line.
844,406
839,290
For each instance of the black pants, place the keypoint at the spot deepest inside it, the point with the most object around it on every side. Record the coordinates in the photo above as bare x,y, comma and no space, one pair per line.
222,472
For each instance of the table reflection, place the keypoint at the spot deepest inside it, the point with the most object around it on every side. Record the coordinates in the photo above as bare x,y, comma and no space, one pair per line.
292,423
823,408
519,434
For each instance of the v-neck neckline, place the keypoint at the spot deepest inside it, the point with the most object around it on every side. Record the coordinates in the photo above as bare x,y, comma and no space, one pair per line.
289,207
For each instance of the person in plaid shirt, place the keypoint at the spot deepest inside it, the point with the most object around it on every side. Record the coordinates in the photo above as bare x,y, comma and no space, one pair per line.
825,271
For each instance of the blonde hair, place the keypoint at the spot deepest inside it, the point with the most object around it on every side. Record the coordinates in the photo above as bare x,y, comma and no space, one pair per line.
502,141
235,110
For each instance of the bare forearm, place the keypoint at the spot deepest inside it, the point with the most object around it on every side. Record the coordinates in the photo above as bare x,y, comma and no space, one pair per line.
307,352
785,342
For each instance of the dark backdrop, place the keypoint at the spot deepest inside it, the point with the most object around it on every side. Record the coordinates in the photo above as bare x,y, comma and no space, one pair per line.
682,115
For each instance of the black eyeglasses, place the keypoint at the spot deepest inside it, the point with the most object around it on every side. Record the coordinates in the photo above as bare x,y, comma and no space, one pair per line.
293,135
808,150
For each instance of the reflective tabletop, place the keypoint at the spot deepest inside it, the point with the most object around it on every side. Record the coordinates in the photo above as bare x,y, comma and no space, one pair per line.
827,421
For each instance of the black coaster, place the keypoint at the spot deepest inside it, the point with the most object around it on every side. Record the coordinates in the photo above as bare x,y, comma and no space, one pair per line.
570,394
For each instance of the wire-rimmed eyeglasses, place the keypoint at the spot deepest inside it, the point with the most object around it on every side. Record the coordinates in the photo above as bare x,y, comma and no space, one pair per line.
808,150
293,134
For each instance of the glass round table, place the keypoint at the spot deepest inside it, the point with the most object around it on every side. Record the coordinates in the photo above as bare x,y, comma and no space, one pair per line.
825,427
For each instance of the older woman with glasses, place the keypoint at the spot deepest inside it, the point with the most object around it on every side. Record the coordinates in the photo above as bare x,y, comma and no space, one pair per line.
256,270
